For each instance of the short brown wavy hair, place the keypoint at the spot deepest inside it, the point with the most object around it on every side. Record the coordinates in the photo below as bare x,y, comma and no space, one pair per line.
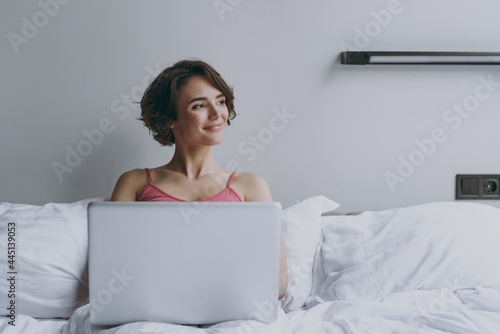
159,104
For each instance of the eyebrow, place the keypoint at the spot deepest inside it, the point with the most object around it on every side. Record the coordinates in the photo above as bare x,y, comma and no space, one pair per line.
204,98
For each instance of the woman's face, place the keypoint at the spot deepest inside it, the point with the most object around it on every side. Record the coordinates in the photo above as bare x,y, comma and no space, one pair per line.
202,114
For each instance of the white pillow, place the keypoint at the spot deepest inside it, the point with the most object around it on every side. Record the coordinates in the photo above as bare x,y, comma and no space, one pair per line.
430,246
302,233
50,258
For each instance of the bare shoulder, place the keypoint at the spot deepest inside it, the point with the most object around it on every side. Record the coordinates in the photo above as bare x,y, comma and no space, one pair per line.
253,187
129,184
249,178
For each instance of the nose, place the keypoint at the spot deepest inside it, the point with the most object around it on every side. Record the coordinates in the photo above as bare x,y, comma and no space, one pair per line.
213,111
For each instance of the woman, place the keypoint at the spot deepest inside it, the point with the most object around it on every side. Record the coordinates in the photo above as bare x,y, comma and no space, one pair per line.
189,104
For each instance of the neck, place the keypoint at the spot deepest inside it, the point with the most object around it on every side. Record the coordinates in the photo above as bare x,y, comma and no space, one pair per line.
193,162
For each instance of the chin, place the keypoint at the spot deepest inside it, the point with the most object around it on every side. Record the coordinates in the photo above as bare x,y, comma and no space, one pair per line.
219,138
217,142
214,142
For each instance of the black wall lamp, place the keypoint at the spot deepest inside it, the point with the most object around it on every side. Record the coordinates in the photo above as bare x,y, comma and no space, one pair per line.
422,58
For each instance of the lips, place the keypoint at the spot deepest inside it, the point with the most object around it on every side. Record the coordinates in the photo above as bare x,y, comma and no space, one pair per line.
214,126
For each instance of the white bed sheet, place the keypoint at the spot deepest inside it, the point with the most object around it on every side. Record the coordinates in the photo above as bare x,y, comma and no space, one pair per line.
79,323
376,305
465,311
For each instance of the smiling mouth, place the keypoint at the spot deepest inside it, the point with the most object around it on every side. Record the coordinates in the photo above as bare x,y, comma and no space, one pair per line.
213,126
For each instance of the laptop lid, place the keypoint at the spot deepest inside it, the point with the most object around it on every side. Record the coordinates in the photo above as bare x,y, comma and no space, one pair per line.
183,262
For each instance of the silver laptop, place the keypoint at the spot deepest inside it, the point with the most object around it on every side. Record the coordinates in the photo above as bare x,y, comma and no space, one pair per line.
183,262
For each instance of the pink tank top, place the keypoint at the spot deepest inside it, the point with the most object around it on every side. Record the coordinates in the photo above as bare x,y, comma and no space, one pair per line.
152,193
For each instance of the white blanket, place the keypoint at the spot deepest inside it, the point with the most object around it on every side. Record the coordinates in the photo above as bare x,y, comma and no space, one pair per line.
467,311
425,269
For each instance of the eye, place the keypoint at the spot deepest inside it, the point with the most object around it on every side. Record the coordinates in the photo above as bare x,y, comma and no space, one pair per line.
197,106
221,102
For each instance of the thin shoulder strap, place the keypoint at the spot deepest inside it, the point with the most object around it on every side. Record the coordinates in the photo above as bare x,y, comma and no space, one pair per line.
231,179
150,179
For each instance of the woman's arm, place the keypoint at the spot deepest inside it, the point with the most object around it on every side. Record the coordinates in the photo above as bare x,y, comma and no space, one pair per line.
257,190
129,184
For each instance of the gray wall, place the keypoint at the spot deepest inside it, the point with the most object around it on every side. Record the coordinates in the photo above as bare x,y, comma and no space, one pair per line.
71,70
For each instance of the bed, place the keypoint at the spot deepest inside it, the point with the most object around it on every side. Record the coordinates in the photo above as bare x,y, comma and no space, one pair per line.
431,268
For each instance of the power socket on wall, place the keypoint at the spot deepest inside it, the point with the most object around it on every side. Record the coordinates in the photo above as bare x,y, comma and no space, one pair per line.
477,186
